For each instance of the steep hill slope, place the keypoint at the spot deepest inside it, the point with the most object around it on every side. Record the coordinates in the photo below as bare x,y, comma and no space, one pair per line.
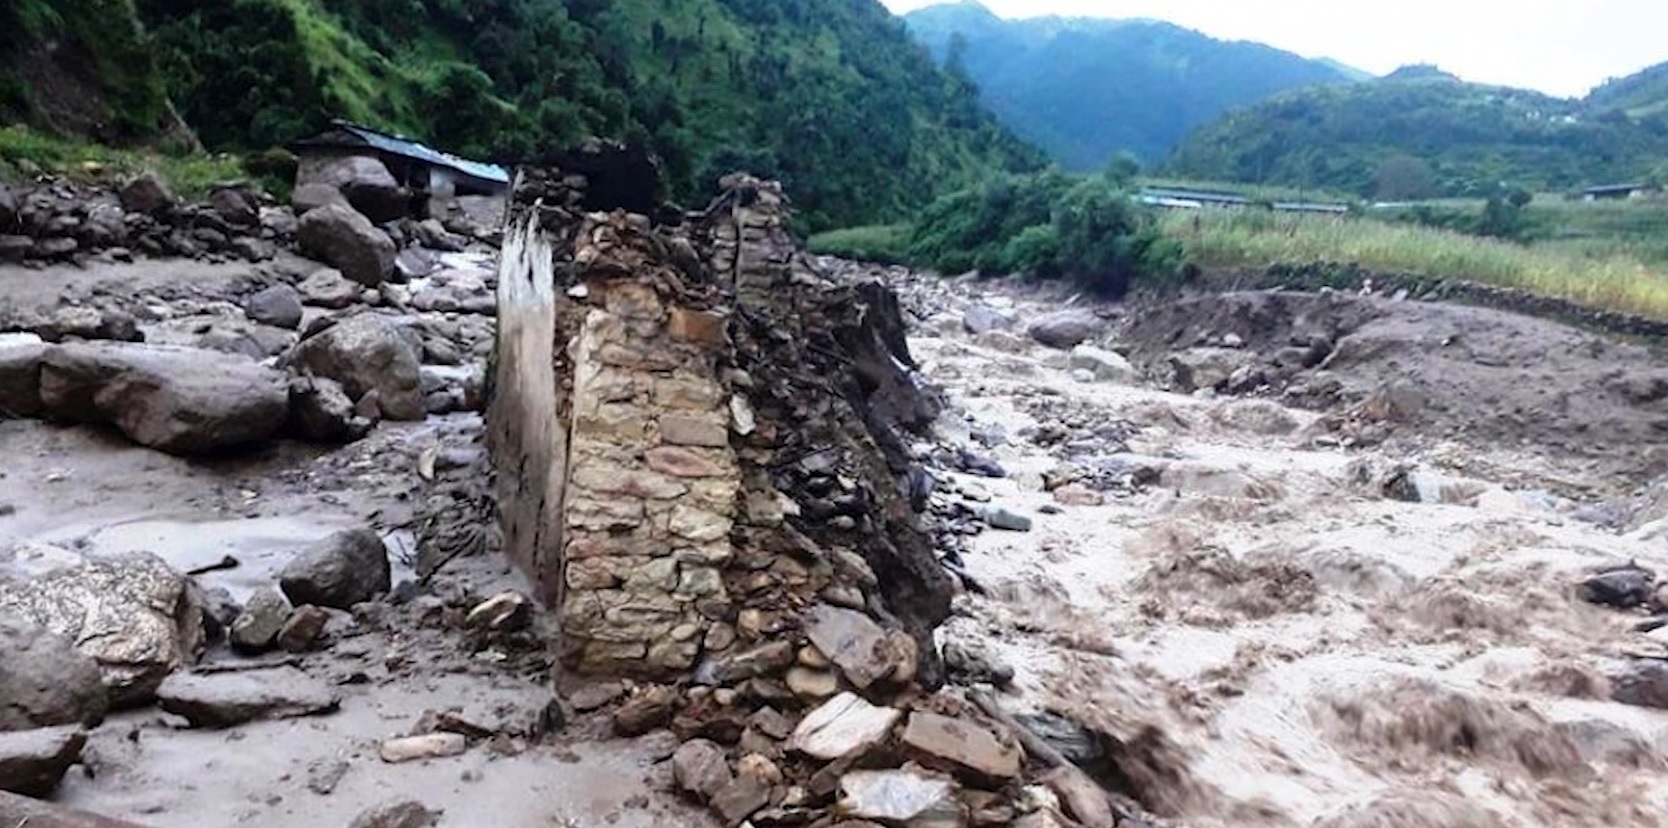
829,95
1642,93
1418,123
1086,89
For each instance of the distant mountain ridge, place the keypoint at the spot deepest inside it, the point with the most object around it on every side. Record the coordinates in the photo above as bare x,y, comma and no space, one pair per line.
1085,89
1421,131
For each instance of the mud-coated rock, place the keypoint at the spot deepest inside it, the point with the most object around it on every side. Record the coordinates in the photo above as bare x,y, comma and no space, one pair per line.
1064,329
278,306
1642,684
147,194
344,239
1622,587
303,629
20,378
226,699
367,353
408,814
1103,365
182,401
45,681
80,322
236,204
982,318
962,747
132,614
328,288
344,569
321,411
365,182
700,768
256,628
32,762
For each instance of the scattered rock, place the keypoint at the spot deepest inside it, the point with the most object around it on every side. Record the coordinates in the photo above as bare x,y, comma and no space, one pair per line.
972,663
256,628
236,204
505,612
1201,368
347,241
80,322
812,684
1064,329
1103,365
20,378
133,614
225,699
426,746
8,207
1000,518
1623,587
179,400
431,234
414,263
899,797
321,411
746,794
962,747
700,768
1077,494
1642,684
147,194
843,726
1082,799
328,288
852,641
33,761
368,353
344,569
45,681
323,775
982,318
408,814
278,306
649,708
303,630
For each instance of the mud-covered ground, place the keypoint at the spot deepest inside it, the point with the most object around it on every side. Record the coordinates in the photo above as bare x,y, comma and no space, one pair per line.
1336,593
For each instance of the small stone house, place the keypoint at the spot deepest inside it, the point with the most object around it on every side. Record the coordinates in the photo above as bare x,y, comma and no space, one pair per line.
439,176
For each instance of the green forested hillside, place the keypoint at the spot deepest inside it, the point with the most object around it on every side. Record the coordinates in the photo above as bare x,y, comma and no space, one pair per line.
1640,94
1086,89
79,66
1418,133
829,95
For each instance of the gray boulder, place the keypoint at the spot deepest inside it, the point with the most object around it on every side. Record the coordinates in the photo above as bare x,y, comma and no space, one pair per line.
33,762
308,197
182,401
228,699
20,379
344,239
365,182
255,629
147,194
328,288
45,681
432,234
1065,329
8,207
236,204
344,569
133,615
279,306
321,411
82,322
369,353
981,318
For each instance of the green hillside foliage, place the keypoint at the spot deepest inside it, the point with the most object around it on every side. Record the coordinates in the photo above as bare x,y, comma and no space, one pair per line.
1385,138
1050,225
828,95
1640,94
1084,89
104,82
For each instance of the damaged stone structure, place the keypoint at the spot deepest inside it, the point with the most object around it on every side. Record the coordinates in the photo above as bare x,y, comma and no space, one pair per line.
706,465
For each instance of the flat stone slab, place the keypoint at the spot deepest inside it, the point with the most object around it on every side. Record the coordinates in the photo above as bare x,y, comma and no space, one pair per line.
852,640
227,699
33,761
963,747
897,797
842,726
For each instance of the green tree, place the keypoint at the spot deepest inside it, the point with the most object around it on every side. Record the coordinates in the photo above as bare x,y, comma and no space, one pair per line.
1404,178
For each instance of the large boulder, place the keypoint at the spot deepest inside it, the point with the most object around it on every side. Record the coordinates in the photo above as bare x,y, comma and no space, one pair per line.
33,762
365,182
321,411
133,614
279,306
308,197
328,288
236,204
182,401
147,194
1065,329
344,239
20,378
369,353
344,569
45,681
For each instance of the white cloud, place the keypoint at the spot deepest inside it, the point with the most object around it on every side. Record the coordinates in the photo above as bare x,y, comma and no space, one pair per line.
1563,47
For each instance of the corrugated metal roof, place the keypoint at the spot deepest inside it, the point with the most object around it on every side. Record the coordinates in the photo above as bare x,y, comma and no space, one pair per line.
412,149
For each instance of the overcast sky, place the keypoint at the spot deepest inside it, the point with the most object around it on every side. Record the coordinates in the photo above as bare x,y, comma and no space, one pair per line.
1563,47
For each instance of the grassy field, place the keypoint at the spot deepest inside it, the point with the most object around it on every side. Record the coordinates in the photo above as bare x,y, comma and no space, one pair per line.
1598,275
190,175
